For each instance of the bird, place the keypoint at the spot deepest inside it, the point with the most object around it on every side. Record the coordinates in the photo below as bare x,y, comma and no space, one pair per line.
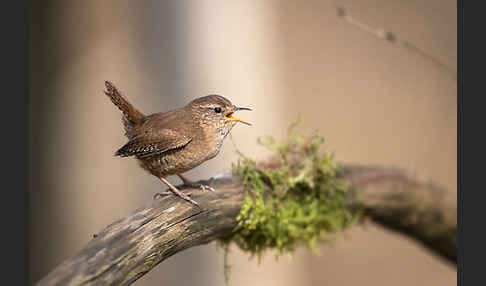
176,141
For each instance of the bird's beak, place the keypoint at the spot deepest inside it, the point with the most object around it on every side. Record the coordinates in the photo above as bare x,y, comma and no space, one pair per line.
229,115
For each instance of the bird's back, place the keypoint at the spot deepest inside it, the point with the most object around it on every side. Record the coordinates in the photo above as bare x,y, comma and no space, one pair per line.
187,141
173,120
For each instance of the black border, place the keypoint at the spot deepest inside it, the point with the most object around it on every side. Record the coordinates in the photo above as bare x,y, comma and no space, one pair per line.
471,144
459,140
14,130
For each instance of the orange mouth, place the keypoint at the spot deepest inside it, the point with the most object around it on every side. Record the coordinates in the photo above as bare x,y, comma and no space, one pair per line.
229,116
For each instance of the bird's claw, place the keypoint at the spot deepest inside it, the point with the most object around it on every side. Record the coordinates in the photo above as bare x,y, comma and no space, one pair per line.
166,193
206,187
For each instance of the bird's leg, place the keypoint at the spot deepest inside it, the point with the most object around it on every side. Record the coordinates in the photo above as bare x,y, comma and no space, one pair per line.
192,184
176,192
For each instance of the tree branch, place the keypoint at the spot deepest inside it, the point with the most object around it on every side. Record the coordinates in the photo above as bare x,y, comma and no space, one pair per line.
413,207
130,247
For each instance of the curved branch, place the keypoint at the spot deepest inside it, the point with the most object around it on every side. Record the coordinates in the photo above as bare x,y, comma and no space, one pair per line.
415,208
130,247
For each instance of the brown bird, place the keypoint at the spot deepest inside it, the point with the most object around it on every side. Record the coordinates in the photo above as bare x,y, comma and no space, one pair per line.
176,141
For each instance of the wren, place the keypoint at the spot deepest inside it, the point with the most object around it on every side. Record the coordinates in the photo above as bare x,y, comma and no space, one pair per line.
176,141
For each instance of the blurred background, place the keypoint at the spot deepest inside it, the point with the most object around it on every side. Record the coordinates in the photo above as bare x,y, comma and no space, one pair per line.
375,102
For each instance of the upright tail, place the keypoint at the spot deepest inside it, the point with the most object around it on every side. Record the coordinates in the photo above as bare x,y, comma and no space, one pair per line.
131,116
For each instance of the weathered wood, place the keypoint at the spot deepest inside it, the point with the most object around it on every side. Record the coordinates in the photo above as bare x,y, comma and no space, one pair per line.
416,208
129,248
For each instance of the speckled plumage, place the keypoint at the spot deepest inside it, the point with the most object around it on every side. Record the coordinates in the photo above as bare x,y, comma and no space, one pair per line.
174,142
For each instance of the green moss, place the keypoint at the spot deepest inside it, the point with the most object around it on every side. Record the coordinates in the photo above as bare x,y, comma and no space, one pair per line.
297,199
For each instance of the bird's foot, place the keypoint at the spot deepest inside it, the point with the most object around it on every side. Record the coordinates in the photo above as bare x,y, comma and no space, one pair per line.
176,192
202,187
206,187
179,194
165,193
191,184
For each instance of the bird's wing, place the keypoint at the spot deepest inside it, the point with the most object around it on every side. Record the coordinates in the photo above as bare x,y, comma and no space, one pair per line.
148,145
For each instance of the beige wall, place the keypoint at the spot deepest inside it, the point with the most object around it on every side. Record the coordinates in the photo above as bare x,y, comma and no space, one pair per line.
374,103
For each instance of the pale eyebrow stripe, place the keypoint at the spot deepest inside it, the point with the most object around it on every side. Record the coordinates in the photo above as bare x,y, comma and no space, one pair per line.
213,106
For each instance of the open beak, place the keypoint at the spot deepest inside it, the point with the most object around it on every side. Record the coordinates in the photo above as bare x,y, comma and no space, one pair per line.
229,115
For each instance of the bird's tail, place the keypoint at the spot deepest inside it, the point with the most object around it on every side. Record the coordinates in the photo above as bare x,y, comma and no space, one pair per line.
131,116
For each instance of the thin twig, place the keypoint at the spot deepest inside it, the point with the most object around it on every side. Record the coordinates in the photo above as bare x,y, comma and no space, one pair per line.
390,37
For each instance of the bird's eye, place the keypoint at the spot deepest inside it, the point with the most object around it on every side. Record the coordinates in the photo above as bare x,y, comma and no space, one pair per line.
217,109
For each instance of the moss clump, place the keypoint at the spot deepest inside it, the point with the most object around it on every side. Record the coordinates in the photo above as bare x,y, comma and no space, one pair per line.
296,198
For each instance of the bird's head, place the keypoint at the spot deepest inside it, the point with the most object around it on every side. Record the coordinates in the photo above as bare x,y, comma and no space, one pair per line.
215,111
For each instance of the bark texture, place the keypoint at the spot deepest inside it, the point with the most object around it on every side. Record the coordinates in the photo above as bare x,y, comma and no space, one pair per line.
130,247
